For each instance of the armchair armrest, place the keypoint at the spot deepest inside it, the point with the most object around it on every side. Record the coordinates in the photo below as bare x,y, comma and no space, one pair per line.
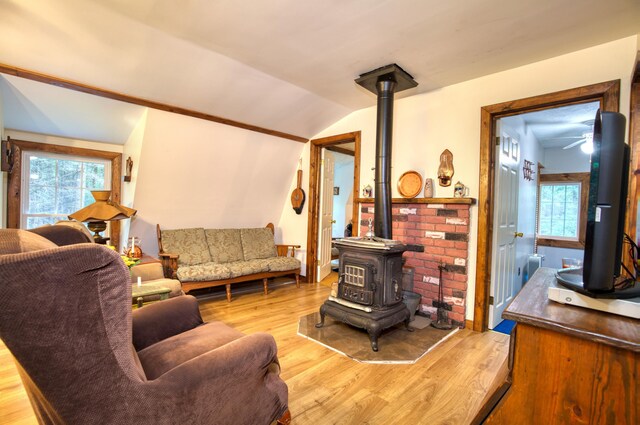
162,320
169,264
285,250
147,271
242,372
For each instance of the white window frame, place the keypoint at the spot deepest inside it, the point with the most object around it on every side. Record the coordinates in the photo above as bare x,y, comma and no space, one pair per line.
580,178
26,165
565,183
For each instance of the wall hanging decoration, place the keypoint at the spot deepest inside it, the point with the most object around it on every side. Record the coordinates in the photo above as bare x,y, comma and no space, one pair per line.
445,170
527,170
298,196
428,188
410,184
127,170
367,191
460,190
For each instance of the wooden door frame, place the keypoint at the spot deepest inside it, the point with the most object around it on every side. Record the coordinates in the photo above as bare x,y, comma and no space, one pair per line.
607,93
634,143
315,153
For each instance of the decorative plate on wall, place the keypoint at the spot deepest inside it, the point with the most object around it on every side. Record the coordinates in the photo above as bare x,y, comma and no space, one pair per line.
410,184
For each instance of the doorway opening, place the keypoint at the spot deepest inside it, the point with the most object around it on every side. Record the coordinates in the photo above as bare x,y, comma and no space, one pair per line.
542,163
341,150
606,95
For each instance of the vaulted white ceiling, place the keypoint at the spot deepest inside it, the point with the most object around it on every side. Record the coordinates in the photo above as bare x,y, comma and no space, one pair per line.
289,65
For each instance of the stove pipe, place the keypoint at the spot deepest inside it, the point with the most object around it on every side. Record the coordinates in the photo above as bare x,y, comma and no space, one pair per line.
384,82
384,131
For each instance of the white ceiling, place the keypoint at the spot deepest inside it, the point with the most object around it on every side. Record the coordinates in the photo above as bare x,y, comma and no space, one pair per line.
560,127
289,65
35,107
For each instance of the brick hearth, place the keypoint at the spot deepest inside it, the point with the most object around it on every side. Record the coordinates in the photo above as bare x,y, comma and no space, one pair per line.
443,229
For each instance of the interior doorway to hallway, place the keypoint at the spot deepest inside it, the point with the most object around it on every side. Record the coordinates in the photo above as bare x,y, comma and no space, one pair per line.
541,186
321,192
607,95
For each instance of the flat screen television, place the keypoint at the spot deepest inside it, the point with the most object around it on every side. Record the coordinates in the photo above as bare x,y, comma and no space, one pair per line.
606,207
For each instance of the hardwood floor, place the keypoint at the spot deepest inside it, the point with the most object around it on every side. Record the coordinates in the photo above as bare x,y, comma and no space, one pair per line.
447,386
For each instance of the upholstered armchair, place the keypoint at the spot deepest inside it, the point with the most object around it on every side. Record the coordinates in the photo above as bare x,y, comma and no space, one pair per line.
65,315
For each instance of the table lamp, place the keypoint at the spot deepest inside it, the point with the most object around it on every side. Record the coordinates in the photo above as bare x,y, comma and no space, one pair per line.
102,210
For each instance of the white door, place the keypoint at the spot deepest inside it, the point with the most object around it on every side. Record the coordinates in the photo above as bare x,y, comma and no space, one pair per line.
504,276
326,215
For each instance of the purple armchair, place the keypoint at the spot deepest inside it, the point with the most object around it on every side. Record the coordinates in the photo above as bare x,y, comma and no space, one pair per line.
65,315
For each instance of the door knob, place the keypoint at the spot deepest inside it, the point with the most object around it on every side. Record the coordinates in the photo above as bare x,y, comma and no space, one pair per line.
518,234
333,222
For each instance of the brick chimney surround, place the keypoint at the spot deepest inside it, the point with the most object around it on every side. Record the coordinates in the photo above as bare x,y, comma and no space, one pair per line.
443,229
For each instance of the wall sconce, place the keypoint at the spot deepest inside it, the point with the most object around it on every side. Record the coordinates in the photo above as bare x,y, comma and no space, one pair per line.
445,170
127,170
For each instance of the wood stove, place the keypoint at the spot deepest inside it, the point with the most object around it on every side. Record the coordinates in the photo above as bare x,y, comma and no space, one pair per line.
369,286
370,275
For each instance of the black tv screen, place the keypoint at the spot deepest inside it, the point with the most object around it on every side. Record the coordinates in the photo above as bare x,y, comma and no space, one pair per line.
606,209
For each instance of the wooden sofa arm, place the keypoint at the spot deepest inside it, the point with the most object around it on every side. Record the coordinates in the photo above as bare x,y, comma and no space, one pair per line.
169,264
284,250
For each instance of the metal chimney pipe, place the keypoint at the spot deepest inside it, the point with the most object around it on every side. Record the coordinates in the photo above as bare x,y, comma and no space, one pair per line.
384,82
384,132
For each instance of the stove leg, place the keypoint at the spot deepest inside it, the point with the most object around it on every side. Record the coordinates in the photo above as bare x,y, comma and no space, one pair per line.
374,342
374,330
322,313
407,322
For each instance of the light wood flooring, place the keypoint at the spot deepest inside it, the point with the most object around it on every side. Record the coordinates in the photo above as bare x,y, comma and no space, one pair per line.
447,386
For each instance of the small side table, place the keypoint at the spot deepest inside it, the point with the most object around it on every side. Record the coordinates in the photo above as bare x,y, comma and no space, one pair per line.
139,292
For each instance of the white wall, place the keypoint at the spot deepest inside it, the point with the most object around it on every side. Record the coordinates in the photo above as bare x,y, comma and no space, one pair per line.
196,173
560,160
342,203
426,124
133,149
62,141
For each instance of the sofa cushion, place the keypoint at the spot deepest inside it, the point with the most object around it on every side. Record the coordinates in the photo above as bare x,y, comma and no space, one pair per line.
258,243
225,245
203,272
243,268
163,356
190,244
281,264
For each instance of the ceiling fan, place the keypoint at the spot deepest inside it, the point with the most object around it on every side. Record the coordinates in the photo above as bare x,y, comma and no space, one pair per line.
586,138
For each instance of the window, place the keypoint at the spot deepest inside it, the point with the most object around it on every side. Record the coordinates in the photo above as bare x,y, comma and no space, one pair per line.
17,189
57,185
562,209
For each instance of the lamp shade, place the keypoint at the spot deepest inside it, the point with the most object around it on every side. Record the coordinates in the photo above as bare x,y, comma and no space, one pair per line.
103,209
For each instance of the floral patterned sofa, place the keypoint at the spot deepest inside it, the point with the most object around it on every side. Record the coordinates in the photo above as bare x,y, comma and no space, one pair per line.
202,258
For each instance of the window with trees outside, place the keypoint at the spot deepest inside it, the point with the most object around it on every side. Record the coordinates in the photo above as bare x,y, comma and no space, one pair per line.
562,209
56,185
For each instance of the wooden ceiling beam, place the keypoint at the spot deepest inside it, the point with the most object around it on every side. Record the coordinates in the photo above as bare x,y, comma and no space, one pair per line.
97,91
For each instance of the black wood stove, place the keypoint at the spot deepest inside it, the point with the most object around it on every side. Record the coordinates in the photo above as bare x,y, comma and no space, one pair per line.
370,275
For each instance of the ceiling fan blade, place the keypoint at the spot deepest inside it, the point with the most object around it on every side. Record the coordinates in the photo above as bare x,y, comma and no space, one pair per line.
576,143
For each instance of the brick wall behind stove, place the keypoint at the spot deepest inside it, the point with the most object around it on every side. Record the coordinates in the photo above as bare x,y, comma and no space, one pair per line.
443,229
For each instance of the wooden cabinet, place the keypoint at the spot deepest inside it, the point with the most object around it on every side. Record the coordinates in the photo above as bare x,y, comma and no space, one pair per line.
568,365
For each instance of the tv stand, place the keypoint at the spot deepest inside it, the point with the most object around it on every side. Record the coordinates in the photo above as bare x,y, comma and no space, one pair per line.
572,279
567,364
